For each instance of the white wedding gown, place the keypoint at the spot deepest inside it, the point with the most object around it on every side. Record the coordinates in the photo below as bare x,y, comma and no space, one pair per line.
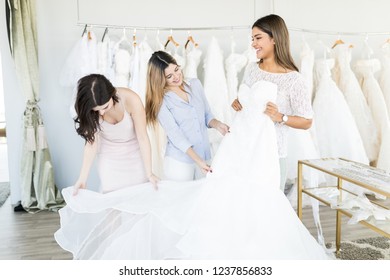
377,104
336,129
81,61
237,212
216,91
384,80
349,86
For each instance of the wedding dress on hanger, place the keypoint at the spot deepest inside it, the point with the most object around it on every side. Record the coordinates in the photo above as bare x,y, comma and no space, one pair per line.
159,44
216,90
180,58
145,52
349,86
234,64
384,80
300,142
134,82
81,61
122,68
122,60
377,105
105,58
250,52
336,130
192,63
237,212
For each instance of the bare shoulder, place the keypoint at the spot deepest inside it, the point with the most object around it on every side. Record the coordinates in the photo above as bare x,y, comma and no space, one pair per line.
130,98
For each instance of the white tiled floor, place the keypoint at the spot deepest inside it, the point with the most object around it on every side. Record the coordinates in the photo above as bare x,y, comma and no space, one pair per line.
4,176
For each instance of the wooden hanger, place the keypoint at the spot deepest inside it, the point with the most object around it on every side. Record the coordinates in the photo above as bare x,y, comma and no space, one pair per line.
190,39
338,42
170,39
387,42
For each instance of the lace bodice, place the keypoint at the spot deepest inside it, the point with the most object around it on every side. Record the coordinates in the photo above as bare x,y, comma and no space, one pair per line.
292,99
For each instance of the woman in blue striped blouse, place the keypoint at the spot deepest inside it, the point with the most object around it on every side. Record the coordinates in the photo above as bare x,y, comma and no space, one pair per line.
184,113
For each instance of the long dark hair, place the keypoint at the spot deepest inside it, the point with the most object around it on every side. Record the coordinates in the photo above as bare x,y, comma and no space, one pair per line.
92,90
276,28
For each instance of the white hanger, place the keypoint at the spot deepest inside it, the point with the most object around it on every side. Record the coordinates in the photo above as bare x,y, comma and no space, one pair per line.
233,42
367,47
123,39
325,48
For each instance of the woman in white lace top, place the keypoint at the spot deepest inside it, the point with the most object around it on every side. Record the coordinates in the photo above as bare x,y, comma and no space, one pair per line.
271,41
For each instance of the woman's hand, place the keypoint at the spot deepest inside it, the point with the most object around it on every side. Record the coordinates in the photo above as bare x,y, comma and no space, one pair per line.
272,111
222,128
154,180
204,167
236,105
78,185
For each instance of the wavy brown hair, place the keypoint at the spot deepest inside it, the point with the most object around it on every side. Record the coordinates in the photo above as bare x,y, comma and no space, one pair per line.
92,90
156,84
276,28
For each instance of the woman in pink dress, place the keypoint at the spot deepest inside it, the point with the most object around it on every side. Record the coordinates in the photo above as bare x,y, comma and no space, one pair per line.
112,122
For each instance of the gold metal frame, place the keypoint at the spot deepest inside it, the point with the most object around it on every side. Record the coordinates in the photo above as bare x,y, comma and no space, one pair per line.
339,186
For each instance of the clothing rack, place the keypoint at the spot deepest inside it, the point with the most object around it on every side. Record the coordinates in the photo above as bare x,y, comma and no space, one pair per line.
339,33
92,25
304,30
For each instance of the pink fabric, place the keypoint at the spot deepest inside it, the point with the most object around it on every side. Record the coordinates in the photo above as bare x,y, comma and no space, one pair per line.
119,157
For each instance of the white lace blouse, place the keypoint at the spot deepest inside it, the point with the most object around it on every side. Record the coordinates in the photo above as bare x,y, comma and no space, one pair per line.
293,97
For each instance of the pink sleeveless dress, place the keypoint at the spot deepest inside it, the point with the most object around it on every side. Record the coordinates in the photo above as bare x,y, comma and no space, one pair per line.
119,160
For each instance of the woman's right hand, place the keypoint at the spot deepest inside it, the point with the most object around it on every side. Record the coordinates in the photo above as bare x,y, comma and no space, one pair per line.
204,167
78,185
236,105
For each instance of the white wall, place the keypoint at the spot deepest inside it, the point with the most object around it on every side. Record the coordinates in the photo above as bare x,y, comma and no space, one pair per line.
355,16
58,31
14,106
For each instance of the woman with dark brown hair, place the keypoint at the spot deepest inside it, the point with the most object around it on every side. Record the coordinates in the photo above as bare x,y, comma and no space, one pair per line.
112,122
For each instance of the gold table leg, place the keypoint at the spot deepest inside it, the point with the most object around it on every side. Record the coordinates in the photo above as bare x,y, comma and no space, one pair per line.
338,217
299,201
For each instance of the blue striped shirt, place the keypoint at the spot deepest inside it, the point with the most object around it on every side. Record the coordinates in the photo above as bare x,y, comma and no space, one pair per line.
186,123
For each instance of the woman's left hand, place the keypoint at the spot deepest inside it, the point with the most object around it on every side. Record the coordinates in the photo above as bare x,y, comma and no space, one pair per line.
222,128
272,111
154,180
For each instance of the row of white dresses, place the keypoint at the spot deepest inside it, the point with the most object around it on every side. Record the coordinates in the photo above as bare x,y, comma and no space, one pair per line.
126,65
351,117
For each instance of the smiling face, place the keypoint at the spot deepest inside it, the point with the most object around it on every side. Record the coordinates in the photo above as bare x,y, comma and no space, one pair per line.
173,76
263,44
102,109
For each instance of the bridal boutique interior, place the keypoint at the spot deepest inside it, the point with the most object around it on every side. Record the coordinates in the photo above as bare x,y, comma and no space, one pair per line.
342,50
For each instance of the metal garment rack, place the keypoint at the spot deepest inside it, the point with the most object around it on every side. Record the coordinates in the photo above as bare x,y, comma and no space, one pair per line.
339,33
304,30
110,26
